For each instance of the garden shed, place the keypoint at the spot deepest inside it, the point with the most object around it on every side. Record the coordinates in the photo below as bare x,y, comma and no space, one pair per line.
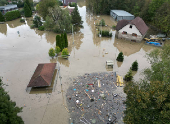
7,8
121,14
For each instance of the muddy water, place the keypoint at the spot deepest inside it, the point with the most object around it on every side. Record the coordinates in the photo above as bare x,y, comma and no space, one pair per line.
21,52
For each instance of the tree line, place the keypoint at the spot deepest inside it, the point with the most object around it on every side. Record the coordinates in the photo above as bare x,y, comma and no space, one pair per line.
155,12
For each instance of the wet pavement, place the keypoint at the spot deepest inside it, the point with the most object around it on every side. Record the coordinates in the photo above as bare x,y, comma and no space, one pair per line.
23,48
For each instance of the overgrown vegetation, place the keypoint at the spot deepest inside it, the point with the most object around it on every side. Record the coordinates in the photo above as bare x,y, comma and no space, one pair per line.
128,76
102,22
41,28
2,19
105,33
155,12
8,108
37,21
120,57
11,15
148,101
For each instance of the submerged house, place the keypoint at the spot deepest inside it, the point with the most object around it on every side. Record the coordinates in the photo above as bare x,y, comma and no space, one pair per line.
121,14
134,30
7,8
43,75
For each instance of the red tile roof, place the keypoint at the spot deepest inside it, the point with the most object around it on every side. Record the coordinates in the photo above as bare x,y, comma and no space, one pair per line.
43,75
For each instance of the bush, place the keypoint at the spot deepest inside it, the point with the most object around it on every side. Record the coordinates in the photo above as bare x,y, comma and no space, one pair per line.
65,53
114,27
102,22
37,21
73,4
22,20
41,28
128,76
32,26
21,11
57,49
2,19
134,66
120,57
105,33
12,15
51,52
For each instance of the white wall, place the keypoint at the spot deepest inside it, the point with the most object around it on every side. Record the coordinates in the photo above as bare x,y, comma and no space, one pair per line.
130,30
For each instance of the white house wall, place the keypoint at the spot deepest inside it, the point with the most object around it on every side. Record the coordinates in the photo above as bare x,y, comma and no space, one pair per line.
130,30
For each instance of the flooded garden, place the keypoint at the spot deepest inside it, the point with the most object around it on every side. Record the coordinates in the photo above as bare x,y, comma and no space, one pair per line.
23,48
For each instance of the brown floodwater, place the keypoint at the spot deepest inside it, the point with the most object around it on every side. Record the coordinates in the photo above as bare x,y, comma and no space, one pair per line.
23,48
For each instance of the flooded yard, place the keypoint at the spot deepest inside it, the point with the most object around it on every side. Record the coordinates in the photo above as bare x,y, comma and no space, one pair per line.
23,48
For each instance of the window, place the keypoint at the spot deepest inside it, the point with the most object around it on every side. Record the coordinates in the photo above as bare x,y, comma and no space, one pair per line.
135,35
130,26
124,32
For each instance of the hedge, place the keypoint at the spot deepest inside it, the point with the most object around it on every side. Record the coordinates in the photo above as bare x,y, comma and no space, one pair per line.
12,15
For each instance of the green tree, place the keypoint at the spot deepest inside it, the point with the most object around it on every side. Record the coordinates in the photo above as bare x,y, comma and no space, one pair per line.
44,6
148,101
29,5
8,108
37,21
3,2
27,10
134,66
57,49
120,57
62,41
76,19
66,40
2,19
51,52
102,22
128,76
58,41
65,53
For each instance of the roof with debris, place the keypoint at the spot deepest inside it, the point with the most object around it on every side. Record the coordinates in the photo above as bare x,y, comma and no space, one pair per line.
43,75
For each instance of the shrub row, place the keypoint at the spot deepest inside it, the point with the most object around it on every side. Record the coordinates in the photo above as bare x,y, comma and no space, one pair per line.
105,33
12,15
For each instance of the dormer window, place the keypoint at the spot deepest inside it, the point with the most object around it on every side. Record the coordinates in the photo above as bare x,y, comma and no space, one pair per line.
130,26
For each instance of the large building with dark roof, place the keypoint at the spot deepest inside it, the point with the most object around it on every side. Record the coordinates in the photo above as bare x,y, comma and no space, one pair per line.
43,75
134,30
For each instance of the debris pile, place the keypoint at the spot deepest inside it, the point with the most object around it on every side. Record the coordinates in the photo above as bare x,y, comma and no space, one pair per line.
92,100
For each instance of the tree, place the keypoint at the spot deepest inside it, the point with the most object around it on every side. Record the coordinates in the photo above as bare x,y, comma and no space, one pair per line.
62,42
3,2
29,5
44,6
37,21
76,19
66,40
148,101
51,52
65,53
27,10
102,22
58,41
8,108
120,57
134,66
128,76
57,49
2,19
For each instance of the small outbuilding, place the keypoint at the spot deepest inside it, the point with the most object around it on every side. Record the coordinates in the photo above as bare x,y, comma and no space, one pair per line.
121,14
134,30
43,75
7,8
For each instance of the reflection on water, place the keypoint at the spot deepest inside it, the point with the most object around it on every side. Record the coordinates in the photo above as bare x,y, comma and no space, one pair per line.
61,60
81,3
3,29
127,47
15,23
45,89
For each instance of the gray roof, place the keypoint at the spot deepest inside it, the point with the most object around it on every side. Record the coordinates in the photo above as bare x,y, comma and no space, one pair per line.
121,13
7,7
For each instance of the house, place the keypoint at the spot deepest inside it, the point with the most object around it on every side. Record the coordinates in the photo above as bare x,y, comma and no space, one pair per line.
7,8
121,14
43,75
66,2
134,30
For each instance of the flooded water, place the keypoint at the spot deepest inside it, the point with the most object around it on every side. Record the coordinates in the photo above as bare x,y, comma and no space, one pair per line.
23,48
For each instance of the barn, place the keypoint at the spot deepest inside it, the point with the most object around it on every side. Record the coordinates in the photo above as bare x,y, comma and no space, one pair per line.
119,15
